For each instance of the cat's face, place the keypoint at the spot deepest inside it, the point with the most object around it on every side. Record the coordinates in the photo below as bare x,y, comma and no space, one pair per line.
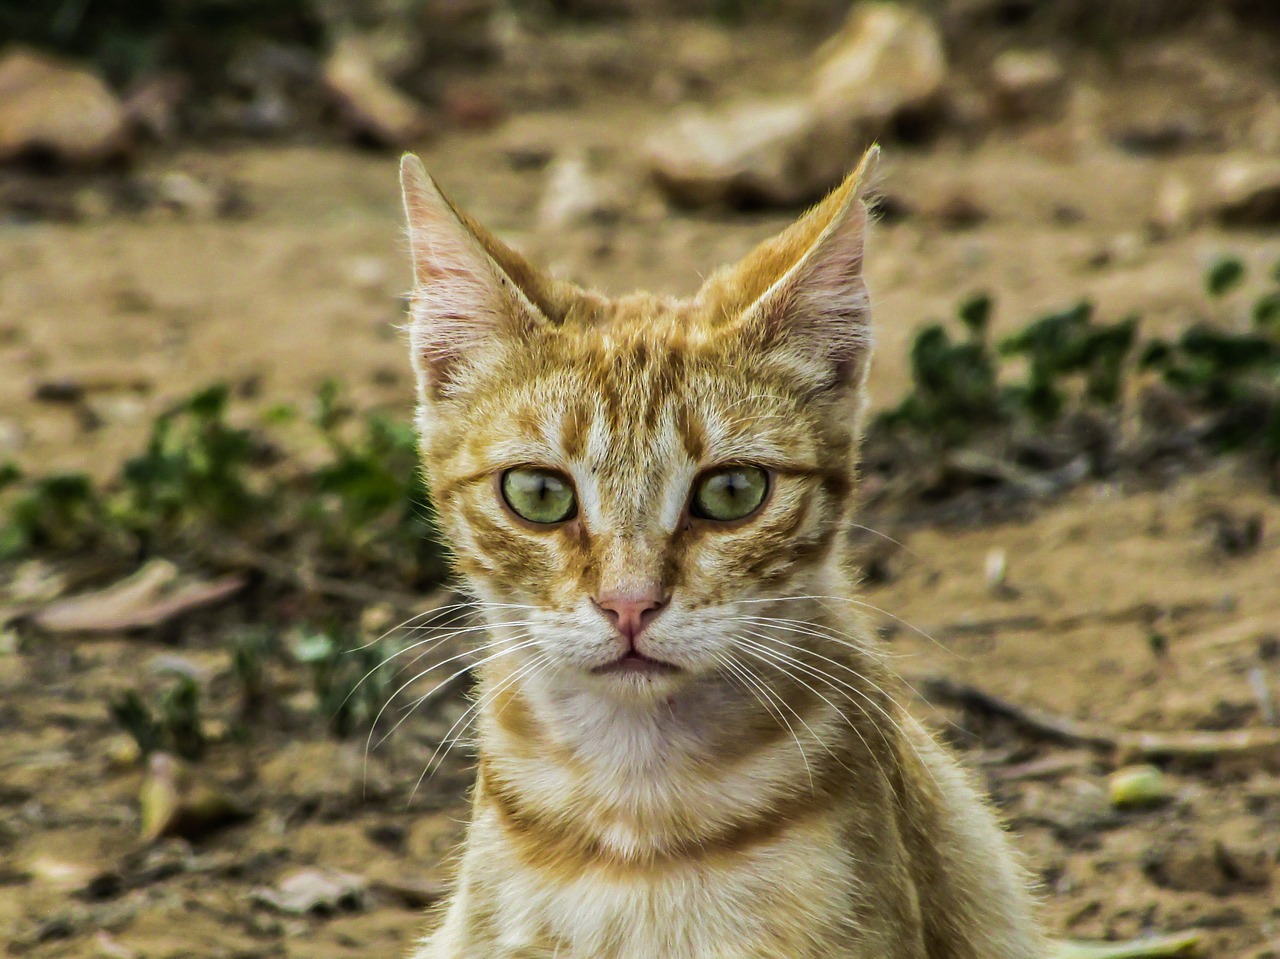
628,483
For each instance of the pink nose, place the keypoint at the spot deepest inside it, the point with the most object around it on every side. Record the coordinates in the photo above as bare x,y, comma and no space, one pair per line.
630,613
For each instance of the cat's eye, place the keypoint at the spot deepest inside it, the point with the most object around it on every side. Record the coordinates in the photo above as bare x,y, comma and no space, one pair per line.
730,493
539,496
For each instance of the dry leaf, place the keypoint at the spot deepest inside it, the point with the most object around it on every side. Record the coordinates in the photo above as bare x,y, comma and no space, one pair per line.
1156,947
174,803
151,596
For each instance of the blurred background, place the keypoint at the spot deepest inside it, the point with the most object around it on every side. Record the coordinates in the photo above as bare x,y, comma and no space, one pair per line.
233,681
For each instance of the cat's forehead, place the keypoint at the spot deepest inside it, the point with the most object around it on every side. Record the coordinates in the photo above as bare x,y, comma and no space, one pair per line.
637,321
612,393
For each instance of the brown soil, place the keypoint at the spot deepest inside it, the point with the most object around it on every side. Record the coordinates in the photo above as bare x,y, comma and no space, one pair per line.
140,310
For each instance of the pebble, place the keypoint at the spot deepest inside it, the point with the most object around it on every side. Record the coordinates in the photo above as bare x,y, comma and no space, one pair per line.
370,107
886,63
1247,194
51,108
1028,84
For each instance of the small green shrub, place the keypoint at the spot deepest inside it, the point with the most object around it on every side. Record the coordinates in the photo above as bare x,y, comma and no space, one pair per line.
173,724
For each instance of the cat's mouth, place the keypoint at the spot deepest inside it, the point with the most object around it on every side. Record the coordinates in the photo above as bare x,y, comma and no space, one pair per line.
635,663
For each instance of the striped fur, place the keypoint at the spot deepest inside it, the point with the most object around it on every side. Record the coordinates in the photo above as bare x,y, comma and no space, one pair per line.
770,798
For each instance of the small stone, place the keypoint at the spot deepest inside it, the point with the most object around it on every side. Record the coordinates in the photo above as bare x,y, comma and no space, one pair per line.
122,752
995,569
746,154
12,438
886,60
371,108
58,873
186,194
574,195
50,108
1173,207
1247,194
1028,84
108,947
315,892
885,66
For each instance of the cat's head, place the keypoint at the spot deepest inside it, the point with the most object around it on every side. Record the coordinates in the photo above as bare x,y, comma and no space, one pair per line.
628,481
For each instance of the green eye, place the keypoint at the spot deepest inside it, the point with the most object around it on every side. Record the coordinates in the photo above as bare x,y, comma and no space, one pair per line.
540,496
734,492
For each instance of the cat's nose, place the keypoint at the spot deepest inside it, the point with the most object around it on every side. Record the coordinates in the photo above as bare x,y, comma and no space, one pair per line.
630,613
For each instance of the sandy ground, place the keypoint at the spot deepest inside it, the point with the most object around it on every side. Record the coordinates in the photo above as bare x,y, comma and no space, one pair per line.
142,310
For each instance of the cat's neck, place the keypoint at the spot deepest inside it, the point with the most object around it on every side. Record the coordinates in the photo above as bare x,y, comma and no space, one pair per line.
648,778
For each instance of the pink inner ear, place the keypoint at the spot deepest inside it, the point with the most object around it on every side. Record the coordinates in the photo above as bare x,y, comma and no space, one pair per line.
822,307
460,301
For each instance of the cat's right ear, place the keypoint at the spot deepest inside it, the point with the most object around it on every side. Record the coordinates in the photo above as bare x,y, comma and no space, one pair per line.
470,291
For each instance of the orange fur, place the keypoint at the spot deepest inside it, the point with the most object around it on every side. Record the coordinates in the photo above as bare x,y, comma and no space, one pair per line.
765,795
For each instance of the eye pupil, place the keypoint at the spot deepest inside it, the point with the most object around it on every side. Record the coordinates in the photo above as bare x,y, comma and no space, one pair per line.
730,493
539,496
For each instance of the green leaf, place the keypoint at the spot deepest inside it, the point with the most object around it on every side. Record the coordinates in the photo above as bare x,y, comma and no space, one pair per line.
1224,276
1266,312
975,314
134,717
1155,947
179,714
313,649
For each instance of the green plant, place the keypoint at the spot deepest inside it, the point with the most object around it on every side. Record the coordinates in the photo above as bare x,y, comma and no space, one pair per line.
954,384
1062,346
1223,276
173,724
370,500
1232,375
352,682
59,513
194,471
250,655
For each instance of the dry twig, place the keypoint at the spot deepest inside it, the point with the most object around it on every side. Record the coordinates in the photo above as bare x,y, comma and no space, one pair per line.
1126,744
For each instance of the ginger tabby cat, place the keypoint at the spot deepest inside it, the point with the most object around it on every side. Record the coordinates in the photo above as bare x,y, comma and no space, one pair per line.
689,747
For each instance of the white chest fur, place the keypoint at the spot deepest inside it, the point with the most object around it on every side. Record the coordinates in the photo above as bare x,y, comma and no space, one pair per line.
765,902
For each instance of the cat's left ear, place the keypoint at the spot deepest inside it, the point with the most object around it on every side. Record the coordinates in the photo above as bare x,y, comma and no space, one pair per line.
801,295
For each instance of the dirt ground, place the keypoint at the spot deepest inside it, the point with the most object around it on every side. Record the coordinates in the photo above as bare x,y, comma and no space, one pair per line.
1119,605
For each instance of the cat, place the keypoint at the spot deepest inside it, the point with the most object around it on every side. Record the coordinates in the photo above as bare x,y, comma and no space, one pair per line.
688,747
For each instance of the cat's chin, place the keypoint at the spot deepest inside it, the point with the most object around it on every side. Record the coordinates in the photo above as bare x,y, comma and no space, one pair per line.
637,665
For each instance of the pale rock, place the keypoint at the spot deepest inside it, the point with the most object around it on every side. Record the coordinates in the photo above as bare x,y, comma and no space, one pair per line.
886,60
1246,193
1174,204
187,194
369,105
50,107
108,947
315,891
11,437
574,195
886,63
59,874
755,152
369,273
1028,84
